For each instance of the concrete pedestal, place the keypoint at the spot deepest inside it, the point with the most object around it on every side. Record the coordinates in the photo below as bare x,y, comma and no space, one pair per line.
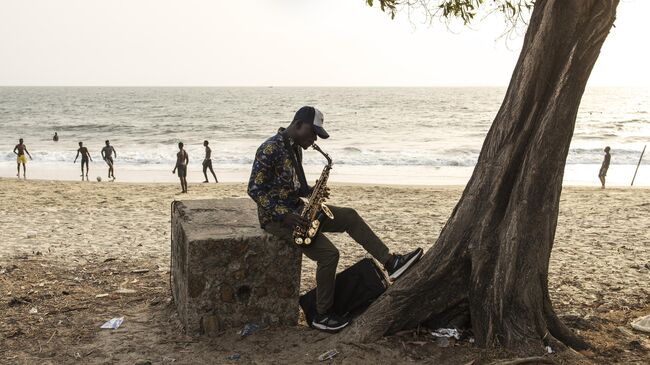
226,271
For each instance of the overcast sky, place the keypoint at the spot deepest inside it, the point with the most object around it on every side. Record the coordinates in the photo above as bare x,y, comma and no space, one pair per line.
274,42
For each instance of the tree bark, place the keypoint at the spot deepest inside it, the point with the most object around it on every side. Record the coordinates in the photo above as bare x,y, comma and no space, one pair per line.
493,252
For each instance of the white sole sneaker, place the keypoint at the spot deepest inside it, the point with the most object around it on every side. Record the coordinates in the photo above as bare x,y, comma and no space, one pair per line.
408,264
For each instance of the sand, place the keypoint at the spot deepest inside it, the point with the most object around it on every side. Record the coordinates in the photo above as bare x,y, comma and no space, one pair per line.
63,243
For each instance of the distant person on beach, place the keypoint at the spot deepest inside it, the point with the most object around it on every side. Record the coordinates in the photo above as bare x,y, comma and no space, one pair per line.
277,183
85,156
56,137
604,167
107,155
182,159
20,151
207,163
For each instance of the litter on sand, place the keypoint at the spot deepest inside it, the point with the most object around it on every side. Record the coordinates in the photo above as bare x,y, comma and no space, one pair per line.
446,332
113,323
328,355
249,329
642,324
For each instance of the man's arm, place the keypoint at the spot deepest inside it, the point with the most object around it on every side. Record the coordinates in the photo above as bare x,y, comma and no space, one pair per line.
15,148
27,152
115,153
77,156
103,154
186,158
260,183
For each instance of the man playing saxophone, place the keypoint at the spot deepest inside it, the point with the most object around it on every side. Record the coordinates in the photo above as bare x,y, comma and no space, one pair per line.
277,183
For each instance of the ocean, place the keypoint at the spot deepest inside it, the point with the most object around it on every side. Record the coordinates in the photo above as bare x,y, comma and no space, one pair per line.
417,136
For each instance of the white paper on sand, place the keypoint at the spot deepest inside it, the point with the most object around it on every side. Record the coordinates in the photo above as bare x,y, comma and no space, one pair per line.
642,324
446,332
113,323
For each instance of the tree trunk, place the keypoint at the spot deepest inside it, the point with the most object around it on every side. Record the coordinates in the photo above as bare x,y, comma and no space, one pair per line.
492,257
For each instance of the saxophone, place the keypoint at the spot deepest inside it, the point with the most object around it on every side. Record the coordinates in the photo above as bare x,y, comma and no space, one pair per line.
315,210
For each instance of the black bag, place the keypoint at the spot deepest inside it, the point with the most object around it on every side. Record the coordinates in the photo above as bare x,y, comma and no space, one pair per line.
355,289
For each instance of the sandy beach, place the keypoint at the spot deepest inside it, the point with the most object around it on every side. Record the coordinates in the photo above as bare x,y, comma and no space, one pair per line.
63,243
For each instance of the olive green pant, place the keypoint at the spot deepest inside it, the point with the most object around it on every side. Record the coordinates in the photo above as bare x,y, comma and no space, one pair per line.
326,255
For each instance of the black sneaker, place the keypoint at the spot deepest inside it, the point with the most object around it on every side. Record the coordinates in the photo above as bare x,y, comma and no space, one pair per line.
398,264
330,322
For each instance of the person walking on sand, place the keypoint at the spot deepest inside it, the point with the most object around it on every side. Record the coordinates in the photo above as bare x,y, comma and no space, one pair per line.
107,155
604,167
20,151
277,183
85,156
207,163
55,138
182,159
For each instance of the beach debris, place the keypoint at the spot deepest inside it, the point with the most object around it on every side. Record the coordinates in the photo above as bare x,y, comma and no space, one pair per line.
125,291
328,355
113,323
249,329
110,259
31,234
446,333
34,310
549,349
101,295
139,271
642,324
168,359
233,357
18,301
142,362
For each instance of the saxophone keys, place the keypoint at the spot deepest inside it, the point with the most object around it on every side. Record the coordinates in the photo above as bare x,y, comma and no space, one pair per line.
315,223
311,232
307,241
299,241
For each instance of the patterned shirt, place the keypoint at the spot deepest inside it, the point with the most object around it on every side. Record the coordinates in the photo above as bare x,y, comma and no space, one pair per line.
275,180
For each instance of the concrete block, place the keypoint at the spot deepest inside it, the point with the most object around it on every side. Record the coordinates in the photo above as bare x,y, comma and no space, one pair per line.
226,271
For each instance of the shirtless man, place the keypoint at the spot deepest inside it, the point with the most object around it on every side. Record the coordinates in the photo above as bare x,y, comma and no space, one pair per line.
181,164
604,167
20,151
85,156
107,155
207,163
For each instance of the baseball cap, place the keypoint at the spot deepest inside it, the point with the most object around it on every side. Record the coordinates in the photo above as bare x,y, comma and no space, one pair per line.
313,116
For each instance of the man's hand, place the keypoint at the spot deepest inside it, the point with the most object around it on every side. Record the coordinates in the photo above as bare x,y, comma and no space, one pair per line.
173,171
326,192
292,220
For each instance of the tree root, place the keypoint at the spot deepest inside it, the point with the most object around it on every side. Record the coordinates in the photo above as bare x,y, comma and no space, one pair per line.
560,331
525,360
